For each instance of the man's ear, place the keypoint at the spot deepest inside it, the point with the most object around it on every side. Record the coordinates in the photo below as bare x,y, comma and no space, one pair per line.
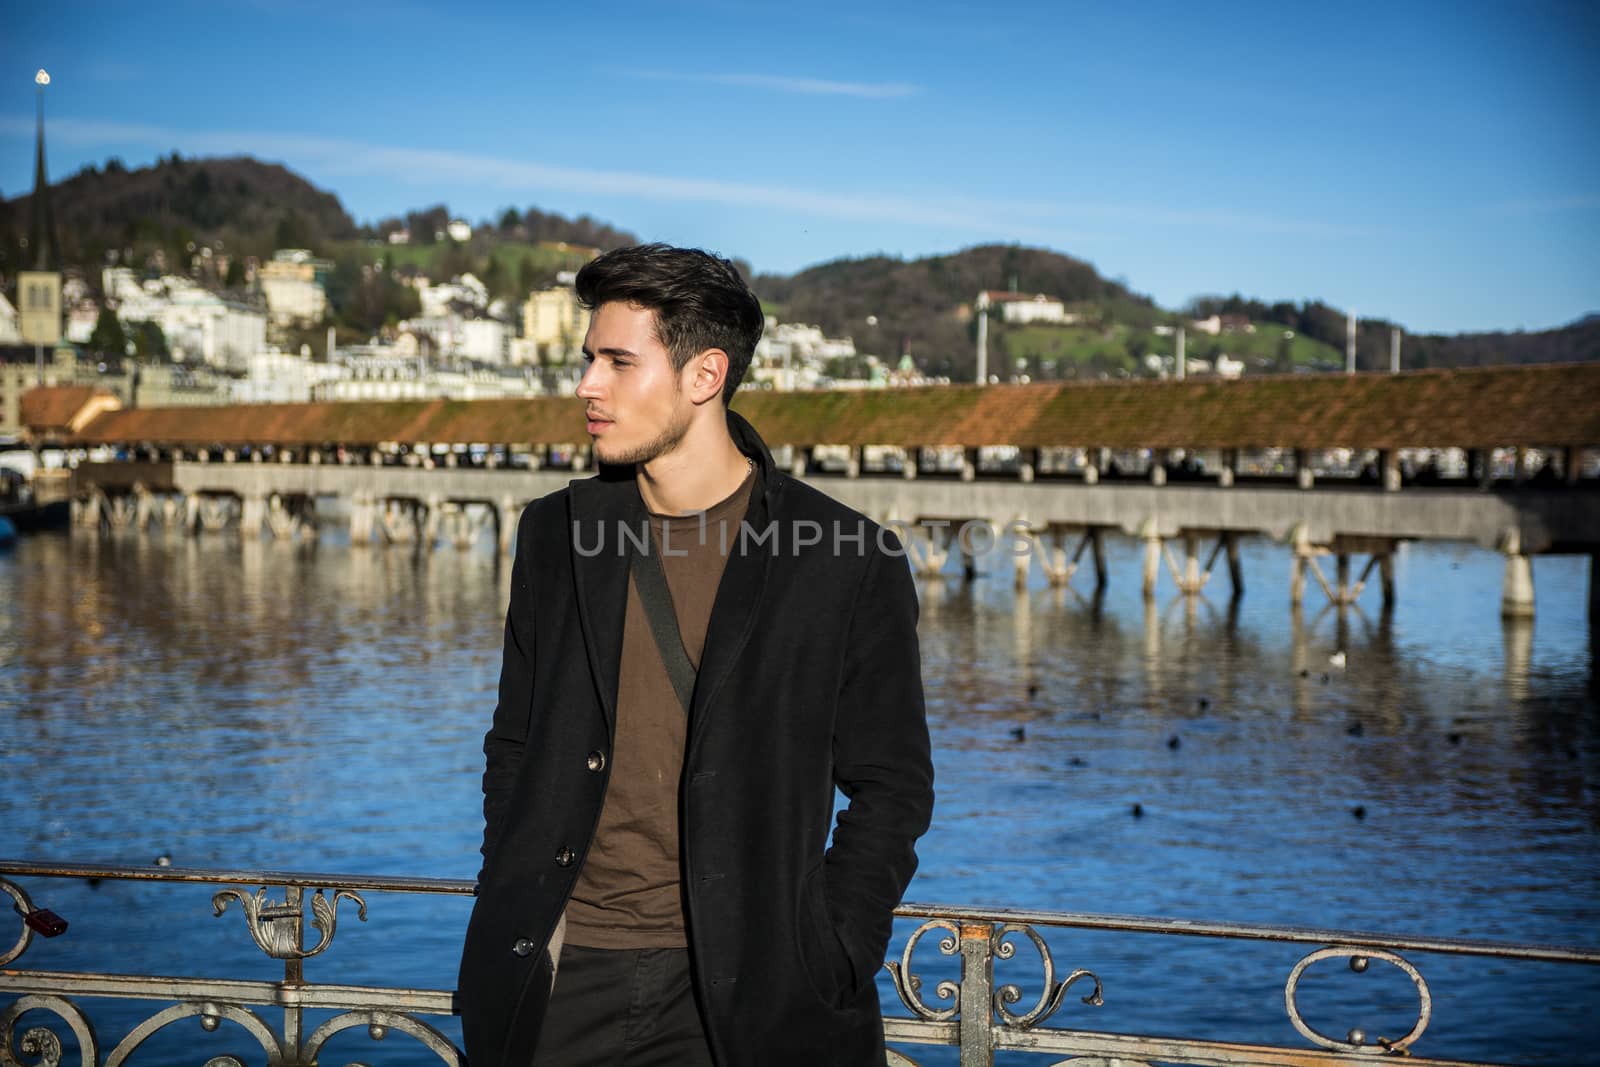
707,373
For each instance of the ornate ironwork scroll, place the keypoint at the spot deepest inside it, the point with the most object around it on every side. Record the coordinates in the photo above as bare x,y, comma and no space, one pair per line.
40,1045
211,1016
22,905
1051,995
276,926
1357,1040
379,1024
909,985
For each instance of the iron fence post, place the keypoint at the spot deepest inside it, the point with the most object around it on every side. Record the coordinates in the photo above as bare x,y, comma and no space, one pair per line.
977,982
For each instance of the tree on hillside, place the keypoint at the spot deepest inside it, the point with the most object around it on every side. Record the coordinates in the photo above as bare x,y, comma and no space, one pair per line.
235,278
149,343
424,224
291,231
108,337
528,277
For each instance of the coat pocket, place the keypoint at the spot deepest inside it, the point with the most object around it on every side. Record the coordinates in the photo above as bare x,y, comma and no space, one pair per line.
822,953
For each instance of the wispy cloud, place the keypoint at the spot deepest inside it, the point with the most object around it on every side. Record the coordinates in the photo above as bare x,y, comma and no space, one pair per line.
1000,219
781,84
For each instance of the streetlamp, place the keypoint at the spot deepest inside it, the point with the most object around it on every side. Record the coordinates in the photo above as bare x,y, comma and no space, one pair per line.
41,78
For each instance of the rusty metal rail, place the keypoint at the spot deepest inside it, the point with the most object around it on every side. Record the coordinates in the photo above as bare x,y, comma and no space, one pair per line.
292,916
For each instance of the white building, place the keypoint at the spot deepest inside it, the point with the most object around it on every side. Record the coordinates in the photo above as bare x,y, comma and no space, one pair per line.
792,355
10,330
1025,308
436,299
459,231
292,285
390,377
200,326
483,341
274,377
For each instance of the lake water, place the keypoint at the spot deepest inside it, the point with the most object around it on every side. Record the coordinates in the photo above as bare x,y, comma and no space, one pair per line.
318,707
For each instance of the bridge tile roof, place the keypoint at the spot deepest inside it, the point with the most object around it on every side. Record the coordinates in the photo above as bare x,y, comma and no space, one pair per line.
1548,406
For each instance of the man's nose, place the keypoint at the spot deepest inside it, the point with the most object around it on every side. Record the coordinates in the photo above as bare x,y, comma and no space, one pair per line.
589,384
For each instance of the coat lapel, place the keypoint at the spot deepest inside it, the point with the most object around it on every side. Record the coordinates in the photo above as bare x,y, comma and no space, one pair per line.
600,509
738,603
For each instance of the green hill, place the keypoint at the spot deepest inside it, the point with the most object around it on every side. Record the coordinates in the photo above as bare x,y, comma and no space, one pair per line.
924,306
240,206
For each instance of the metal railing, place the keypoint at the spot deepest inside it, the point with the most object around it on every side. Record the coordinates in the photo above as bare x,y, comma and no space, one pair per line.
294,916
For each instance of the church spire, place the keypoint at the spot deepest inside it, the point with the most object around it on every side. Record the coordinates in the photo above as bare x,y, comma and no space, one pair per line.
42,239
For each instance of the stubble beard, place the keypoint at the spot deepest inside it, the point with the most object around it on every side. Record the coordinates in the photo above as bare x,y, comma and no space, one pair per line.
664,442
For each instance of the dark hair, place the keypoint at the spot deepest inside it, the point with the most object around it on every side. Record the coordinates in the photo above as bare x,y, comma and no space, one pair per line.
700,301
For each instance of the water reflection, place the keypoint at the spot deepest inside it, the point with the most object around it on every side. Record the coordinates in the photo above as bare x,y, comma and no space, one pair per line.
316,706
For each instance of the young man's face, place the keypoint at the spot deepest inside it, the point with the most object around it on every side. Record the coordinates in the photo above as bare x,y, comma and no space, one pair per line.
636,408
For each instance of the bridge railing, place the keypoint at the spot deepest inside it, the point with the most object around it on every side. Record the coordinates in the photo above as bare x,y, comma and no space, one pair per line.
293,917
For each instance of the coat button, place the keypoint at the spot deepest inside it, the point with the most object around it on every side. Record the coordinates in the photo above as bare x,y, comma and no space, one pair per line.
523,947
565,857
597,761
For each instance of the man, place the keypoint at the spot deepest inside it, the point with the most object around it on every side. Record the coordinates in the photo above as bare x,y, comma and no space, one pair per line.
698,650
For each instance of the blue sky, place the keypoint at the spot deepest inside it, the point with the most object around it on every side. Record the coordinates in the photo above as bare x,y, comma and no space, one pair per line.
1437,164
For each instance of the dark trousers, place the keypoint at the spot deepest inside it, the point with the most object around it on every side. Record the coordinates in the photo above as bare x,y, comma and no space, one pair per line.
622,1008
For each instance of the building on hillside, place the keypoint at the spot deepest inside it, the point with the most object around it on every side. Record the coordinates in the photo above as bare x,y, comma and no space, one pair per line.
10,323
465,290
275,377
483,341
554,323
294,284
1024,308
380,377
459,230
794,355
1228,367
1211,325
199,325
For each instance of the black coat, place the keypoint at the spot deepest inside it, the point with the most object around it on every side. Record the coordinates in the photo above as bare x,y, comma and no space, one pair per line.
810,679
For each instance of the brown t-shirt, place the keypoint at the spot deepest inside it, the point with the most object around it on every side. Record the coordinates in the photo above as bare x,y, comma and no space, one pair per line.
628,892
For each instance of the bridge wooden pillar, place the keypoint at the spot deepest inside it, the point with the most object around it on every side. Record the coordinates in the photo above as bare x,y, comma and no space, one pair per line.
910,468
1152,557
800,460
362,508
1028,465
1389,469
1516,598
252,511
1303,477
1571,465
507,515
1594,598
1301,550
1158,466
1091,466
1235,567
852,461
969,464
1229,469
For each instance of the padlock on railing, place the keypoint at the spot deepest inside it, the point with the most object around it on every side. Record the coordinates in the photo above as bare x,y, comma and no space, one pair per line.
45,922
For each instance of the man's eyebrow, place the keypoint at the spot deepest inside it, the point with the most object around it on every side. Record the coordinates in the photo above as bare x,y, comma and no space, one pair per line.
611,350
